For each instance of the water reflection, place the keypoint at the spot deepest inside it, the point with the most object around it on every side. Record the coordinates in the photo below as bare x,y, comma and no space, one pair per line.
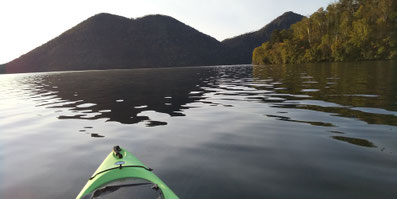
355,141
121,96
364,90
280,124
283,118
96,135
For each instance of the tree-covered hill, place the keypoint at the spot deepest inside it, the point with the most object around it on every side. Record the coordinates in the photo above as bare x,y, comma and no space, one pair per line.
241,47
347,30
2,68
107,41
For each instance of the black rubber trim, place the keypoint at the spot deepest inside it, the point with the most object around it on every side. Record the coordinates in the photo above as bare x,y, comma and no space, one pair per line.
113,188
119,167
116,151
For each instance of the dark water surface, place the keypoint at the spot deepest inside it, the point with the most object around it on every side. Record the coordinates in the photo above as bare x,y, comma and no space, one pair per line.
295,131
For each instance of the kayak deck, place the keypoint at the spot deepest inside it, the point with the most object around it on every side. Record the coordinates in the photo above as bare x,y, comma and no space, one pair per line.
122,165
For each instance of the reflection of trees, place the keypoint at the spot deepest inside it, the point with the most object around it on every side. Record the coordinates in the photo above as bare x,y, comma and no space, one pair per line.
355,141
359,84
121,95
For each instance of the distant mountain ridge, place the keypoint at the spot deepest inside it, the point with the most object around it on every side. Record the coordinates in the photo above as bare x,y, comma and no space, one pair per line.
2,68
241,46
106,41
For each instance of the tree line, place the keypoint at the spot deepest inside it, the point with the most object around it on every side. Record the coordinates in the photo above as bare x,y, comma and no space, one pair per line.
348,30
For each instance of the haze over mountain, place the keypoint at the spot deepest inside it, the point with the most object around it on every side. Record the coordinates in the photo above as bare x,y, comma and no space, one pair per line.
107,41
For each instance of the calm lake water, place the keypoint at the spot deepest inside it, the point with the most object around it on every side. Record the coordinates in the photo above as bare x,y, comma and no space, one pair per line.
295,131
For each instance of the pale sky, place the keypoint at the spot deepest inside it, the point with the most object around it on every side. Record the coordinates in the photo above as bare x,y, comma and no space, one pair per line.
27,24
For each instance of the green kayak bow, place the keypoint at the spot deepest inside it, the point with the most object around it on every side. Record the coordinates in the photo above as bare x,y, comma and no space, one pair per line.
119,170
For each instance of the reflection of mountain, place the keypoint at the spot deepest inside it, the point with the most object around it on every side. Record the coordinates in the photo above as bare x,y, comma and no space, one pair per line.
355,90
121,95
289,93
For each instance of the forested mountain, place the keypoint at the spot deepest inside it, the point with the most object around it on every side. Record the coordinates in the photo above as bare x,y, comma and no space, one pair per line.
2,68
107,41
241,47
347,30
